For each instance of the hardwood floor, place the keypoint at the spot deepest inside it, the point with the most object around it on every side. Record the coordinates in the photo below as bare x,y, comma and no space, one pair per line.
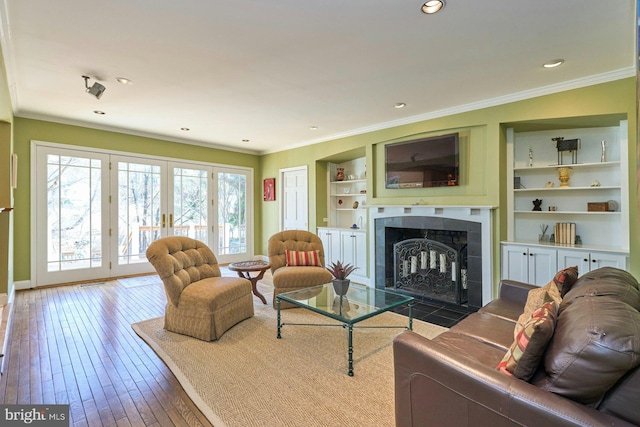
74,345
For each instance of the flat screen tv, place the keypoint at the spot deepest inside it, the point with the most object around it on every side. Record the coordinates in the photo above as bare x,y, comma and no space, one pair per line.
425,162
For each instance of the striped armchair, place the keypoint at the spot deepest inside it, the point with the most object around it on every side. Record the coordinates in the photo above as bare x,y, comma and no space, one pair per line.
288,277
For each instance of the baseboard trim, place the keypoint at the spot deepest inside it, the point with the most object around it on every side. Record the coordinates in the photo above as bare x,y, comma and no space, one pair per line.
22,285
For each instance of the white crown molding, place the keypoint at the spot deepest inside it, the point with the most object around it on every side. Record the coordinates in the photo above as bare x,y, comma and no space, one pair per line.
114,129
491,102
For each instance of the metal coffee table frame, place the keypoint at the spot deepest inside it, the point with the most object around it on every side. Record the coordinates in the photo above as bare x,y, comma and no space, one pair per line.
360,294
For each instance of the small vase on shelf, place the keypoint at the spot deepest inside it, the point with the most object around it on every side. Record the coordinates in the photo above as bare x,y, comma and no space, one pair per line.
340,174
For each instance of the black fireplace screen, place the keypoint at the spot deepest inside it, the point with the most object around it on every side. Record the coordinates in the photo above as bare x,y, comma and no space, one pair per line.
429,268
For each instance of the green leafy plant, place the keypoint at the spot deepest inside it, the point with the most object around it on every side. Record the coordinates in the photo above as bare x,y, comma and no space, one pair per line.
340,271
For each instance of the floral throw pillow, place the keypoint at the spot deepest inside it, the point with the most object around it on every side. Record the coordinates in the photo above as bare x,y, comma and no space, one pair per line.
302,258
526,353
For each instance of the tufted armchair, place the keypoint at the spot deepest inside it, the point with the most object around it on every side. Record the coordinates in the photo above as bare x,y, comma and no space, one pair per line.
200,303
288,277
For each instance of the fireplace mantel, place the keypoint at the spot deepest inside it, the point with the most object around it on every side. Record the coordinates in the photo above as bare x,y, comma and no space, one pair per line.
483,215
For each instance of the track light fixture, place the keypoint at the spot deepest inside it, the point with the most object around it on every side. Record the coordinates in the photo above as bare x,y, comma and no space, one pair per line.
96,89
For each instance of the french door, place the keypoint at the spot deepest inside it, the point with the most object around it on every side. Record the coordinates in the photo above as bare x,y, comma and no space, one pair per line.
97,213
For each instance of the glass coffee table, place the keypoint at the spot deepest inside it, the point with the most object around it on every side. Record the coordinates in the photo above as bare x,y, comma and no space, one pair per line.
359,303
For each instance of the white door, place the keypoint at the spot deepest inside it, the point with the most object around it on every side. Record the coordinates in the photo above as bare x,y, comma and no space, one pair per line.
139,188
295,199
70,237
234,220
95,213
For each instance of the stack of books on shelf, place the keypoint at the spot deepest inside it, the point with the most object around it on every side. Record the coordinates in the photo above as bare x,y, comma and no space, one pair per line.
565,233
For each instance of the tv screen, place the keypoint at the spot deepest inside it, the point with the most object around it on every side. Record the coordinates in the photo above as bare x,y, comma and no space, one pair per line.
426,162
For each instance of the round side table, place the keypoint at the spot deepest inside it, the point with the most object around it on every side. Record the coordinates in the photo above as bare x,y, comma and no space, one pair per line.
244,270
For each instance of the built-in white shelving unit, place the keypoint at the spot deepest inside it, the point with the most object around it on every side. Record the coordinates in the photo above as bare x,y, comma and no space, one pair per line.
596,177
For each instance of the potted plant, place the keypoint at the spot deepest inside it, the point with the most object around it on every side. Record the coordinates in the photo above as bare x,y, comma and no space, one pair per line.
340,273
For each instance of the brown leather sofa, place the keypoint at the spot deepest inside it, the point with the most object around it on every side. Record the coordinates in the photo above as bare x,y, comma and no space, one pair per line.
590,374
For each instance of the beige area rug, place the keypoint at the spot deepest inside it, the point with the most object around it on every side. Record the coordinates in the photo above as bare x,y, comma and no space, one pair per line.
251,378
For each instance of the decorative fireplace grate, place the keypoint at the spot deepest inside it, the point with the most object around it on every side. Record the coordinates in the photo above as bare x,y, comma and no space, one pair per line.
428,268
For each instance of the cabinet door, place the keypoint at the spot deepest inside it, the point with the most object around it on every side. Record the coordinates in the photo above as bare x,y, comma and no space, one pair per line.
604,259
568,258
348,247
331,244
543,265
360,252
515,263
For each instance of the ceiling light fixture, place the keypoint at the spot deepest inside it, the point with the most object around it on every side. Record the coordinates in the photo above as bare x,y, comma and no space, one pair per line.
313,127
124,81
245,140
553,63
399,105
100,113
185,129
432,6
96,89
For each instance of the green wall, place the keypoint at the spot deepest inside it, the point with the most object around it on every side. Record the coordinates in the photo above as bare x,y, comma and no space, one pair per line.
26,130
486,167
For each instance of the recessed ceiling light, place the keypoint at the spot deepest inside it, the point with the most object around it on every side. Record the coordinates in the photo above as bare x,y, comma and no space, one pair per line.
432,6
553,63
185,129
101,113
124,81
399,105
313,127
245,140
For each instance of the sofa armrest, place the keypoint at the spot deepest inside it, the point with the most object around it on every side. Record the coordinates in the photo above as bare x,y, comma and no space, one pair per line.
437,386
515,291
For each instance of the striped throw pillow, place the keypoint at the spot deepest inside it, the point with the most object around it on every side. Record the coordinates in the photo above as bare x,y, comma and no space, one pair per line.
303,258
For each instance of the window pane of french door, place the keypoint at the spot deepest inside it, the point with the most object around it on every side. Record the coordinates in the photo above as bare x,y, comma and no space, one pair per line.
232,213
190,207
74,238
140,215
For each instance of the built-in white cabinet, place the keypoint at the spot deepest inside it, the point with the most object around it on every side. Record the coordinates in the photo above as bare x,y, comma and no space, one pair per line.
347,246
595,198
354,251
535,265
331,242
590,260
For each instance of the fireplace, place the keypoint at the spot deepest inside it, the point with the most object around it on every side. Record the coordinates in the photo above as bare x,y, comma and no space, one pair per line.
434,253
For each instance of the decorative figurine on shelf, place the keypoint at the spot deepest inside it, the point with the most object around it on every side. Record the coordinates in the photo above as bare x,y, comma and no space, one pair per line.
549,184
570,145
356,204
340,174
537,203
564,174
595,183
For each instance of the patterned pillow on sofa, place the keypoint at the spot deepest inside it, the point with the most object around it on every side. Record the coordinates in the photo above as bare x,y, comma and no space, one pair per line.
554,290
526,353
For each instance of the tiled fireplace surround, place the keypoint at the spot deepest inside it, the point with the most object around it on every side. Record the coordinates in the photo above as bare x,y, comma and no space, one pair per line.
476,221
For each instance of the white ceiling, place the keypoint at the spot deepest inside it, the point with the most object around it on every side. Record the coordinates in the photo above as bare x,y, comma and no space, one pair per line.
267,71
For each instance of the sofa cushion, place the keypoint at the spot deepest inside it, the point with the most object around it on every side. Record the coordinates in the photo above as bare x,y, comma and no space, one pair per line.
597,337
303,258
526,352
489,329
555,289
